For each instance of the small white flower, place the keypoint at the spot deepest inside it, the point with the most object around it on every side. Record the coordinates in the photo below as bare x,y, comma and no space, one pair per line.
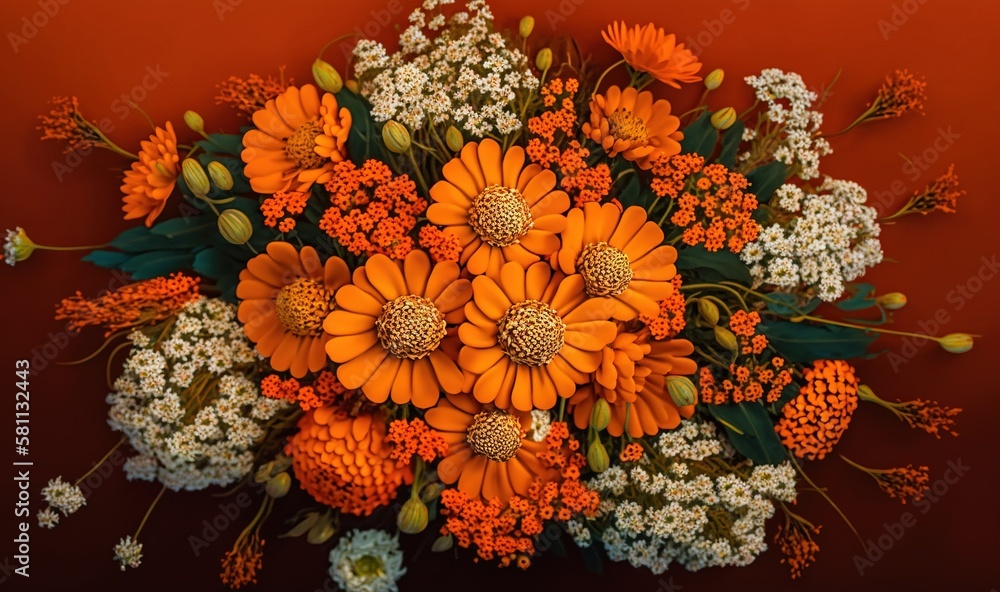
47,518
367,561
128,553
63,497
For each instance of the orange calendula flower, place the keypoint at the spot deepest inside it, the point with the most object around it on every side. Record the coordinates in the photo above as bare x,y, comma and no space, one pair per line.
391,323
532,336
285,296
489,454
145,302
300,136
630,123
620,256
251,95
346,462
500,209
814,421
650,49
151,179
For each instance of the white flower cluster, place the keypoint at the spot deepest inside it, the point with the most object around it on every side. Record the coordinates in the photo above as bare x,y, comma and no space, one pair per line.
829,239
13,245
367,561
192,416
47,518
541,425
63,497
687,513
128,553
789,104
466,75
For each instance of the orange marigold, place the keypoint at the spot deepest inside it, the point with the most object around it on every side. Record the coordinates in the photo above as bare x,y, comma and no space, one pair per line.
345,462
814,421
630,123
714,207
670,321
372,211
253,93
141,303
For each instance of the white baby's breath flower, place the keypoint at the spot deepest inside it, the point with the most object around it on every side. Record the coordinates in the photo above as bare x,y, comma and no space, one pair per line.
47,518
128,553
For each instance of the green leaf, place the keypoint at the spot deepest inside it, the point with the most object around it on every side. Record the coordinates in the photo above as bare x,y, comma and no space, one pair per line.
636,193
860,299
106,259
805,343
731,139
365,139
182,232
592,559
222,143
137,240
156,263
717,266
787,394
788,304
758,441
700,136
764,180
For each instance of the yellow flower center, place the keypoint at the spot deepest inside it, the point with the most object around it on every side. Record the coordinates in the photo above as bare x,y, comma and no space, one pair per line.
301,146
500,215
302,306
531,333
410,327
495,434
368,566
606,270
625,125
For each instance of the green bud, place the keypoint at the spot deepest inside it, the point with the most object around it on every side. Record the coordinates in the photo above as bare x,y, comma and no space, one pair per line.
956,343
412,517
725,338
442,543
263,473
865,393
544,59
453,138
327,77
278,485
396,137
235,227
322,531
526,26
682,390
892,300
302,527
708,311
18,246
600,415
724,119
194,121
597,457
431,492
195,177
714,79
220,175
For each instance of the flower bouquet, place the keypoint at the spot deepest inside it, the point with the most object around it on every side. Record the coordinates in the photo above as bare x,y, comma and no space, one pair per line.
483,294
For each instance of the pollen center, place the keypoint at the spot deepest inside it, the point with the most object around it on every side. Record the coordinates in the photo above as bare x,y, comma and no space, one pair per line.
531,333
606,270
410,327
625,125
301,146
368,566
500,215
495,434
302,306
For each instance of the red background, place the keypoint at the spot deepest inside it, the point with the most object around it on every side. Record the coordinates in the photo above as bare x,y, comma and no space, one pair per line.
99,50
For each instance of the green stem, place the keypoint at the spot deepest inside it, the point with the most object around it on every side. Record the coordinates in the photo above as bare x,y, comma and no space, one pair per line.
156,500
738,296
82,248
826,497
597,86
100,462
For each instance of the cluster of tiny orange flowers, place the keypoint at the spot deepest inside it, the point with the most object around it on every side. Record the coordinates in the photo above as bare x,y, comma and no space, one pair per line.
928,416
372,211
750,379
252,94
940,195
631,453
324,391
670,321
903,483
714,207
279,208
136,304
507,532
902,92
64,122
797,545
813,422
440,245
582,182
240,565
414,437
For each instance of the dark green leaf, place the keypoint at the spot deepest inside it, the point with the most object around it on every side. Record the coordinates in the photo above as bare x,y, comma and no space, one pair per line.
138,239
805,343
758,441
700,137
222,143
186,232
106,259
365,139
788,305
156,264
860,299
592,559
720,265
787,394
764,180
731,139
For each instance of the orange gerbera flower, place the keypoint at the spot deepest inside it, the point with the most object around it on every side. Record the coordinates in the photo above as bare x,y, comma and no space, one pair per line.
299,137
345,462
488,453
391,324
629,123
151,180
500,209
650,49
531,336
286,295
620,257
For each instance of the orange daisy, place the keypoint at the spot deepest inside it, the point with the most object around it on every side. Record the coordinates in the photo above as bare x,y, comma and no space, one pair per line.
532,336
633,379
391,324
488,453
650,49
630,123
285,296
620,256
500,209
151,180
299,137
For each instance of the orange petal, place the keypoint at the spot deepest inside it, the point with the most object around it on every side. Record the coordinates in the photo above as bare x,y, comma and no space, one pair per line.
343,322
488,385
489,297
356,372
477,360
385,276
449,376
425,387
471,479
416,271
402,387
354,299
379,384
344,348
451,467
